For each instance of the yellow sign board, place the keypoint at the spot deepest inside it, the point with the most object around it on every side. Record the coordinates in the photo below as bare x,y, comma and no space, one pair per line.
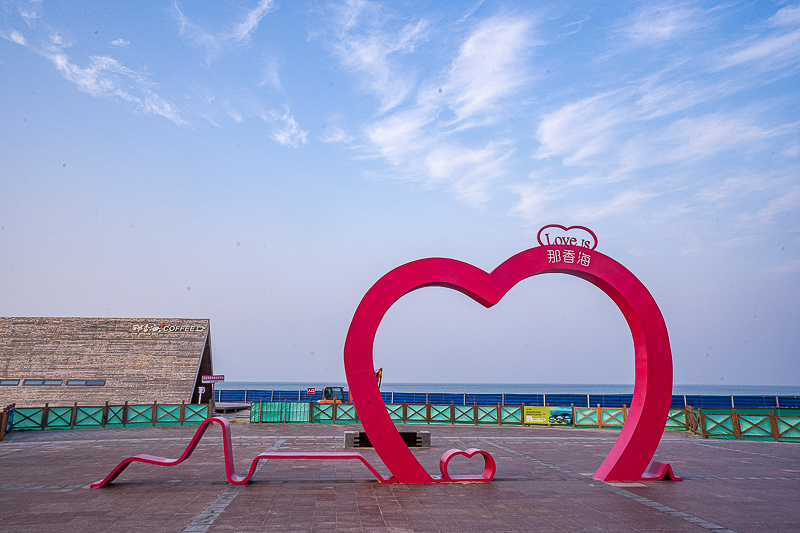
549,416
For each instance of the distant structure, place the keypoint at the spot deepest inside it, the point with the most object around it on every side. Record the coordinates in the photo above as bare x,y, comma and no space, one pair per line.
96,360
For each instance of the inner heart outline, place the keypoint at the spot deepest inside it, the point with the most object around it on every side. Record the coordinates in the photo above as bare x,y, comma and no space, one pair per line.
642,430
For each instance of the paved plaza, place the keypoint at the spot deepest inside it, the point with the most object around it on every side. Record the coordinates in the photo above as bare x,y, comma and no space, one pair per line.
543,483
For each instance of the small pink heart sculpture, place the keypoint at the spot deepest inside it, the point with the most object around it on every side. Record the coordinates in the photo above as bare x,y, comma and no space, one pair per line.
641,432
489,467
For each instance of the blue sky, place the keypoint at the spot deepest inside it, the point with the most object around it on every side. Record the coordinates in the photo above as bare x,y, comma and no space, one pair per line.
263,163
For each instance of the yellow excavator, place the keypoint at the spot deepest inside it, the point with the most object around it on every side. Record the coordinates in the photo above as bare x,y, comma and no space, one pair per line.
336,394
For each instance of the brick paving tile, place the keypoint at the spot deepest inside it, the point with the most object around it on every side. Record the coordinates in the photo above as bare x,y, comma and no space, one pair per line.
541,484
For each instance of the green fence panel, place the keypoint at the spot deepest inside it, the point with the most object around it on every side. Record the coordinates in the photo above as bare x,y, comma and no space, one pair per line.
719,425
612,417
789,428
346,414
755,427
487,415
586,417
255,412
440,414
59,418
27,418
114,417
272,412
464,414
89,417
322,413
297,411
676,420
395,412
168,415
195,413
511,415
140,415
416,414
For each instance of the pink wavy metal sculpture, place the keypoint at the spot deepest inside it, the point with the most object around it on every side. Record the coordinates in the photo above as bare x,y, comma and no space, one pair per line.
233,478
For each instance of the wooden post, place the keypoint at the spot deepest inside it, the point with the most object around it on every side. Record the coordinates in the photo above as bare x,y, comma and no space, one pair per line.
428,412
475,412
154,415
499,414
3,422
125,414
692,422
452,412
333,414
310,411
74,415
210,412
625,413
45,412
405,412
182,412
737,428
104,420
703,429
773,425
573,414
599,416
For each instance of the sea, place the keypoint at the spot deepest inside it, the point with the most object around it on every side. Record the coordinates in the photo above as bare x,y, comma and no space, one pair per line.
524,388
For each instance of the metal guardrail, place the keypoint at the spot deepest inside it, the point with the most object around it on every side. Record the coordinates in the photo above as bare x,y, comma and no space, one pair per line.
108,416
583,400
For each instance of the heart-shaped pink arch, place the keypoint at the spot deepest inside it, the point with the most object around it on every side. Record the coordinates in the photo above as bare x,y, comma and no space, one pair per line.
641,433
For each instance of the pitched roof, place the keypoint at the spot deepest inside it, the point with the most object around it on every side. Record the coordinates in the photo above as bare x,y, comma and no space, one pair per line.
93,360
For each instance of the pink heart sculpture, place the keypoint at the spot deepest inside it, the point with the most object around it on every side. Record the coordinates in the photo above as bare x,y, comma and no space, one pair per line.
489,467
642,430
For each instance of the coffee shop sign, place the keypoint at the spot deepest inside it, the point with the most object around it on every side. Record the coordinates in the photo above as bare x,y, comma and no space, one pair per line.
156,329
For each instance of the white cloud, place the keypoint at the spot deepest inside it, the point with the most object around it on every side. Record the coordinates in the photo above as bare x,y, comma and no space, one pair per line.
399,137
488,68
335,134
468,171
787,16
242,31
15,37
428,139
197,35
119,42
583,129
105,77
287,131
535,201
366,47
787,202
768,52
216,42
655,24
704,136
270,74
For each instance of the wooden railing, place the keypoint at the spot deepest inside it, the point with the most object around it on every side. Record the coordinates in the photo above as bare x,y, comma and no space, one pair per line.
125,415
754,424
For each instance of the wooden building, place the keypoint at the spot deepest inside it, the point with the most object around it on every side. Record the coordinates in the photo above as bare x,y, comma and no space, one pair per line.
96,360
